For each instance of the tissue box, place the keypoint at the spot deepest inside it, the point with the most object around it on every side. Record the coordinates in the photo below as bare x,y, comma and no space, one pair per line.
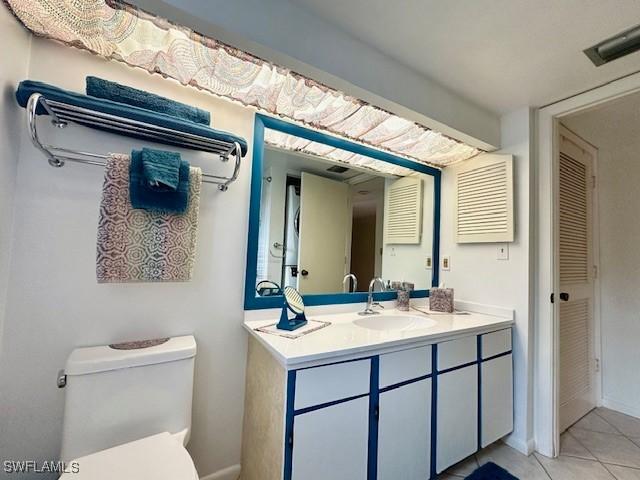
441,300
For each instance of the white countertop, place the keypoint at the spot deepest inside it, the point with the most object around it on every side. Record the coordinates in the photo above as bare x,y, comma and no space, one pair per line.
345,340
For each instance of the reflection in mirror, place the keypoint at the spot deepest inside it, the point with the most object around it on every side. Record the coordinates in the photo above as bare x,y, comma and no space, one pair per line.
331,220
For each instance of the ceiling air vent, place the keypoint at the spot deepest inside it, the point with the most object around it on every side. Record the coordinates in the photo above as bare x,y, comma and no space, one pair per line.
337,169
615,47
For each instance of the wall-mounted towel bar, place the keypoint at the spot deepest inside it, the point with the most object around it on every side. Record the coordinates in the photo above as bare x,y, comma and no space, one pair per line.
62,114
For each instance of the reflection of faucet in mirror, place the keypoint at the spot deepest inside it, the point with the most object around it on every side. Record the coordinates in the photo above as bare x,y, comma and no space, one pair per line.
346,278
370,303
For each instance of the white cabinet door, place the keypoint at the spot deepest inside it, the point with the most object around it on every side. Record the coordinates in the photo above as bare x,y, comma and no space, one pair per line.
404,432
497,399
332,442
457,416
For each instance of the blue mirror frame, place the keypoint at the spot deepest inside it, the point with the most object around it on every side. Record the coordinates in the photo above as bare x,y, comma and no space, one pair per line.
253,302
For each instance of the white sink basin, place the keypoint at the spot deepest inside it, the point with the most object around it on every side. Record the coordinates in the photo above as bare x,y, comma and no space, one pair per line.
394,322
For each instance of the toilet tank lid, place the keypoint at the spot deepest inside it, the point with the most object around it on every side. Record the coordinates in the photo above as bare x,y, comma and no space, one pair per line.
88,360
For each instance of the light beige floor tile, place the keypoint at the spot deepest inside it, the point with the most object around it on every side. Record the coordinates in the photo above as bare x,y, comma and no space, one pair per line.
573,448
623,473
636,440
464,468
609,448
594,423
519,465
629,426
570,468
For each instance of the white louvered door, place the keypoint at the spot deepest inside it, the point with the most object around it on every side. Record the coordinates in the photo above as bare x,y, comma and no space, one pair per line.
577,392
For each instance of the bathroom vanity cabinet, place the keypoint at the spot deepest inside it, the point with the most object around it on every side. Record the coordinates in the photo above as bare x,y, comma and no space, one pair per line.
408,414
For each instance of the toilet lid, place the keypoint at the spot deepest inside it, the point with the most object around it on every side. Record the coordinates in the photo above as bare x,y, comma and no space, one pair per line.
158,457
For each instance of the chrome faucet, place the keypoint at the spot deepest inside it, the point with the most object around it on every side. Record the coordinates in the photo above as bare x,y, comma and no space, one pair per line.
370,303
346,278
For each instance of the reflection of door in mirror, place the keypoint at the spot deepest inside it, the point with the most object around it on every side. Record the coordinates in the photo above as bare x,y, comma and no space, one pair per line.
323,215
325,234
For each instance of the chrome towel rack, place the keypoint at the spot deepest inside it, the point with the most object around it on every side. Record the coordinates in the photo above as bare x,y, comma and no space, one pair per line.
62,114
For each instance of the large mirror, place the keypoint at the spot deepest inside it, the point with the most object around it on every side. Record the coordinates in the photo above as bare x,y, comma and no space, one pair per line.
328,216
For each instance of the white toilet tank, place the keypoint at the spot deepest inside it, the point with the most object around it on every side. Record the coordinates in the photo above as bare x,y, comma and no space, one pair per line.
118,395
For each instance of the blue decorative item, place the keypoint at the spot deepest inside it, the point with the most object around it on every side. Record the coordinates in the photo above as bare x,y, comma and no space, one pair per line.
491,471
292,301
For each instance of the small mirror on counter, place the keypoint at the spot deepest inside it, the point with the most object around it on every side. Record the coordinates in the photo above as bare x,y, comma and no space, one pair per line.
292,302
328,215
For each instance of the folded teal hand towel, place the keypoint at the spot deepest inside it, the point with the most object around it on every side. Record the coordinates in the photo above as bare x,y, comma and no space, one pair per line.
161,169
142,196
100,88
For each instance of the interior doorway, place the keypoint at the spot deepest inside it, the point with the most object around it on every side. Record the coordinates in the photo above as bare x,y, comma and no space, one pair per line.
550,390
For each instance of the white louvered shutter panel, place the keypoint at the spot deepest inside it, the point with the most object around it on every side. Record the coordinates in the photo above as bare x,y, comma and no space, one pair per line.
484,200
403,211
575,338
574,227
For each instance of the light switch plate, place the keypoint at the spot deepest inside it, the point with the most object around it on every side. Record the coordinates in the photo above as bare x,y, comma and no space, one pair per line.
503,251
446,263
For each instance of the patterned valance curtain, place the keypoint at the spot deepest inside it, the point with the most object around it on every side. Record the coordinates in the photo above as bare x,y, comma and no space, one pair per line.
119,31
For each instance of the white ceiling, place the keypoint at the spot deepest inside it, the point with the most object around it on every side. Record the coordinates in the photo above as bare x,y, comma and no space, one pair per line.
501,54
610,126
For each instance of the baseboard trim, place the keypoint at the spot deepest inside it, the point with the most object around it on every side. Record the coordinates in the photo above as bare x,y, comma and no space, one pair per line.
523,446
621,407
229,473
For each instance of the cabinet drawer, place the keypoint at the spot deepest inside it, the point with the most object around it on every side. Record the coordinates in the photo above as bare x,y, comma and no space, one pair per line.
405,365
315,386
495,343
457,352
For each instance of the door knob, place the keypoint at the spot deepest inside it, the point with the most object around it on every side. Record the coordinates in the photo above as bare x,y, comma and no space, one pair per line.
564,296
304,273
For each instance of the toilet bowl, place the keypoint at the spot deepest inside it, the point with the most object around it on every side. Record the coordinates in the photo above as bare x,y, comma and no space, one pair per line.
157,457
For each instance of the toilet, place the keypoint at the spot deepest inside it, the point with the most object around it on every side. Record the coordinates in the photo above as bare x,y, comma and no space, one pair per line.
127,411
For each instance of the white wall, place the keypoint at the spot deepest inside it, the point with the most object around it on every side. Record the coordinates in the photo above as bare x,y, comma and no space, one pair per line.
408,262
14,62
477,275
619,201
54,303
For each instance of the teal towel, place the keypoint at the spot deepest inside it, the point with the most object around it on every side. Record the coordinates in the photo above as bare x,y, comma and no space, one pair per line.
100,88
26,88
142,196
161,169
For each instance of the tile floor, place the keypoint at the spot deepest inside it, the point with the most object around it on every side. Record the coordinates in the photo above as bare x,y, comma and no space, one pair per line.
603,445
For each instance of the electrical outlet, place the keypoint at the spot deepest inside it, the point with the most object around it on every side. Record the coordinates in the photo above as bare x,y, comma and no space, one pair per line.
428,263
503,251
445,264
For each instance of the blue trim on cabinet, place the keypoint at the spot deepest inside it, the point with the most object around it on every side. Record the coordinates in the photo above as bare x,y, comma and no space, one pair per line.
251,301
457,367
320,406
434,410
374,418
479,351
289,419
404,383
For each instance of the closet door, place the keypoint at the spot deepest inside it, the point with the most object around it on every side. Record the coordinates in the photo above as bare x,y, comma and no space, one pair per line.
404,432
576,324
332,442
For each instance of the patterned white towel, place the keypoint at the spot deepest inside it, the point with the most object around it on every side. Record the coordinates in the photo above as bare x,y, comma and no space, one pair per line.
141,245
